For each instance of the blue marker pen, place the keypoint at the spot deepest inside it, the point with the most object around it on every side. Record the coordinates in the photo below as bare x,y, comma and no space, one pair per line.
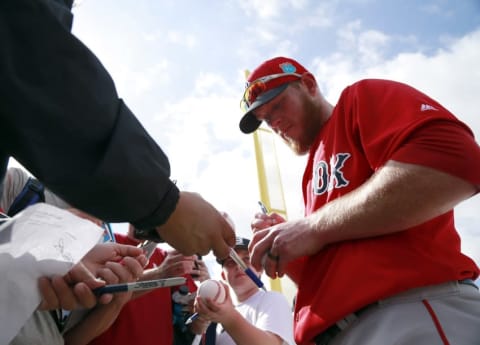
191,318
248,271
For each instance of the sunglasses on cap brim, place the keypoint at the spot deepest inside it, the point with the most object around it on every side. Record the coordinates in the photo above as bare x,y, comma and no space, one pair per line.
259,86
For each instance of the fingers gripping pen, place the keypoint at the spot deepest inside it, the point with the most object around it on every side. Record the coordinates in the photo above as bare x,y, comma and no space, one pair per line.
269,254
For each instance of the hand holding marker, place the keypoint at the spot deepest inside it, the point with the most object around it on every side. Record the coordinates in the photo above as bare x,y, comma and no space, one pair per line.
248,271
233,254
148,247
275,258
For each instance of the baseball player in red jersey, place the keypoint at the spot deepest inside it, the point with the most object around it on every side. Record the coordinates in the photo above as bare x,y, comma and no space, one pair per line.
377,257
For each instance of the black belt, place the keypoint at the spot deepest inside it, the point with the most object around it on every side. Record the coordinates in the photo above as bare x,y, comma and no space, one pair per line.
326,336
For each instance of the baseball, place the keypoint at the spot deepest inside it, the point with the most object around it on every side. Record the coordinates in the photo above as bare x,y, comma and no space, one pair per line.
213,289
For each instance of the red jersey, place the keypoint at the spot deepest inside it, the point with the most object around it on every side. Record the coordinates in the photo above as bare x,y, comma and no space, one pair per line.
146,319
376,121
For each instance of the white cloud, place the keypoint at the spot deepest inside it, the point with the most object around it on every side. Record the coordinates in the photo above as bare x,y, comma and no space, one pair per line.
371,46
322,16
451,76
137,82
366,46
181,38
266,9
210,156
434,8
282,27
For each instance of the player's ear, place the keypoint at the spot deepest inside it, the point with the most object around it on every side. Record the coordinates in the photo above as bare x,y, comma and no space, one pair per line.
309,81
223,276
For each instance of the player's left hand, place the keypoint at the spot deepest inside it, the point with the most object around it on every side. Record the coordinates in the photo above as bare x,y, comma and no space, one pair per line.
272,248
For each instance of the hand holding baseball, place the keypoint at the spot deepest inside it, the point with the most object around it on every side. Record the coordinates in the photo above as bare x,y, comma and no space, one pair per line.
213,302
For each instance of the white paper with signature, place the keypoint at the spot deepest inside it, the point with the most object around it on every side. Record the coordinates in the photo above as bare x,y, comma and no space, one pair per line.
43,240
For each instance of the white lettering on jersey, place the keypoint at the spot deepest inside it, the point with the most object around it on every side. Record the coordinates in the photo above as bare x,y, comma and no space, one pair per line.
327,176
425,107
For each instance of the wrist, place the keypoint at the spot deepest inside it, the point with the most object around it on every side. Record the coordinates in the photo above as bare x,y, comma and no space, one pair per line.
150,234
231,320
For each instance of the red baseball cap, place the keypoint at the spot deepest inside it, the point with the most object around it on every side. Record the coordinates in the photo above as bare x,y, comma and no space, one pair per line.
265,83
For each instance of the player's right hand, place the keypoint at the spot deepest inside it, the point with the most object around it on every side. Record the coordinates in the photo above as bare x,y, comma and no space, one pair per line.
263,221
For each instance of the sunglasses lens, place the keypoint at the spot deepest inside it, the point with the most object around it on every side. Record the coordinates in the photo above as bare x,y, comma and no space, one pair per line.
256,88
253,91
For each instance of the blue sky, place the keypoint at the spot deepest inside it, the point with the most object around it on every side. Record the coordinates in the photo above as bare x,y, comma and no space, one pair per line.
179,65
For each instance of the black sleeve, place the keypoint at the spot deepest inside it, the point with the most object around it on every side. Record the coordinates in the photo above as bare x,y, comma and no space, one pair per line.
62,119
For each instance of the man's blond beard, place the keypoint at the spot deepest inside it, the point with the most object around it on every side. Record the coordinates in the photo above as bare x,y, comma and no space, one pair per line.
296,147
310,128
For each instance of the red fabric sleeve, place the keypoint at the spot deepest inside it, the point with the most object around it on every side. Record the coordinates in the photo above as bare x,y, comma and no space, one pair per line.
446,146
394,121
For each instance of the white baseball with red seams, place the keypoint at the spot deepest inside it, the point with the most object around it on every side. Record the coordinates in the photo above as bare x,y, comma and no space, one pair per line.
212,289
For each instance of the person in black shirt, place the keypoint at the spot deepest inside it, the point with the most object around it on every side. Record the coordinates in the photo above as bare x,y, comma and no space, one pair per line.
63,121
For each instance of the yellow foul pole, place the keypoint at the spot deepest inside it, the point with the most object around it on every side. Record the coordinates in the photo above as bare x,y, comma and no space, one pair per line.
269,180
